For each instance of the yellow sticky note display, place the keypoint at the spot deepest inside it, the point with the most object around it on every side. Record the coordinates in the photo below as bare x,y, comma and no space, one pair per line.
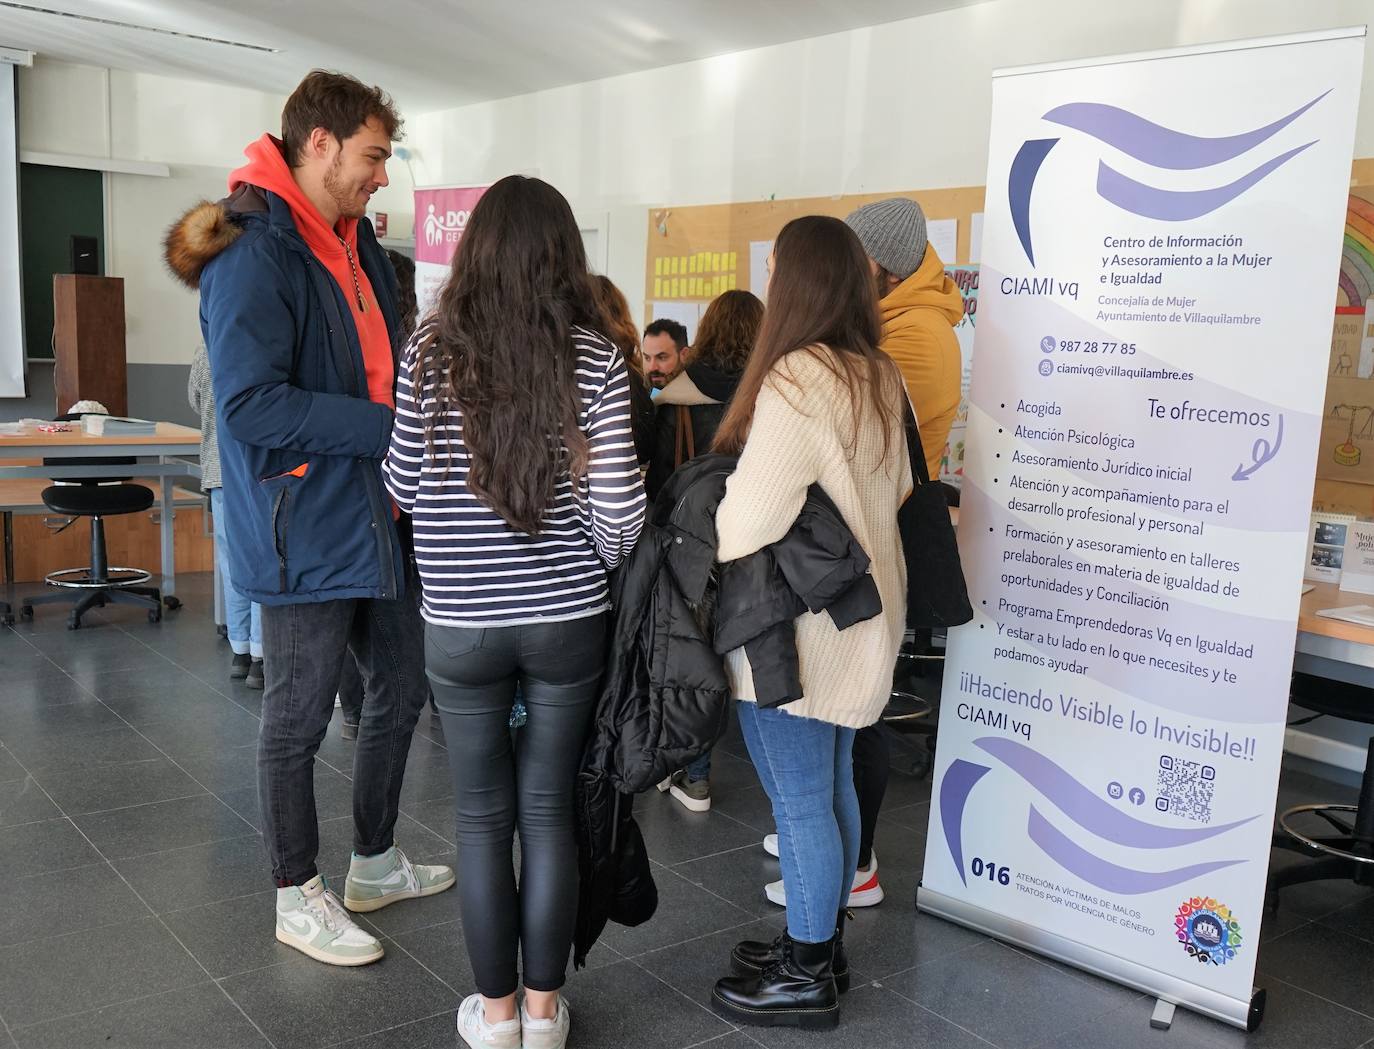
658,287
658,266
730,263
733,284
715,262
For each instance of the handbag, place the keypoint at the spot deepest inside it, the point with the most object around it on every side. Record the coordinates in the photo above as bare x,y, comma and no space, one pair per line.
936,594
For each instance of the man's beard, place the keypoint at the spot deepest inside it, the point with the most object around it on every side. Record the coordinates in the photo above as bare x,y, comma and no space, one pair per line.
345,198
658,380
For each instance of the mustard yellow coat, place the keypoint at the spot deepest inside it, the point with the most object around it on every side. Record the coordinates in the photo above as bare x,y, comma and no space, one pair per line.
918,318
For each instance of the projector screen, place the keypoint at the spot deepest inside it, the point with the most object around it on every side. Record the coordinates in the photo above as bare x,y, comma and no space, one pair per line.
11,303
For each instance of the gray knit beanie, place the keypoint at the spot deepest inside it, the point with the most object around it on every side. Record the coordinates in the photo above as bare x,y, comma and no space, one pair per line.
893,233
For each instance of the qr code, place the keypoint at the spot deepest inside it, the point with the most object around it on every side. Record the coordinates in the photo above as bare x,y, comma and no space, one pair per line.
1185,788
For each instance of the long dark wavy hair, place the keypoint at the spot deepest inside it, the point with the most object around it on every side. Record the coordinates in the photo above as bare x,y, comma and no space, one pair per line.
821,294
499,349
728,329
617,322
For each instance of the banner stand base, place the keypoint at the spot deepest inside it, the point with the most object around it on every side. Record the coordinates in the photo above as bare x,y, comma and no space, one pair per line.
1170,990
1163,1016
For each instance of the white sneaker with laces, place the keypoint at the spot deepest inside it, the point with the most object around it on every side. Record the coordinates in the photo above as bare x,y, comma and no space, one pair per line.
546,1034
864,891
375,882
311,919
474,1030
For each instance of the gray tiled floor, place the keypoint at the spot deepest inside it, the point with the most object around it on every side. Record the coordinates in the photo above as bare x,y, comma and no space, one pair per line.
137,911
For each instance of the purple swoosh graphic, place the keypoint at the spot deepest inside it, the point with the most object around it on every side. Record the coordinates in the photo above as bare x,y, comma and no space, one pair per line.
960,778
1109,876
1161,146
1020,182
1085,808
1179,205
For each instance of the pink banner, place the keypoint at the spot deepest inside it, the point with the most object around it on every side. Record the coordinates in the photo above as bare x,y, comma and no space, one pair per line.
441,215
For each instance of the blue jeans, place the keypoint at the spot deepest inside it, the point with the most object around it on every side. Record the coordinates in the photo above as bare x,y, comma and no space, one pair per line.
700,769
242,617
806,767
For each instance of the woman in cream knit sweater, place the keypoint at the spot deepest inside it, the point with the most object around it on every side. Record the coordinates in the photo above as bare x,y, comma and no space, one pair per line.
818,404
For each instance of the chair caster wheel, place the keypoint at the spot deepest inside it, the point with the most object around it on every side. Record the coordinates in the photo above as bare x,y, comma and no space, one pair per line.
155,615
73,623
172,603
26,611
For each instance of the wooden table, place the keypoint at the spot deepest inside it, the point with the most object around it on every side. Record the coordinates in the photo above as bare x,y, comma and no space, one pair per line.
167,449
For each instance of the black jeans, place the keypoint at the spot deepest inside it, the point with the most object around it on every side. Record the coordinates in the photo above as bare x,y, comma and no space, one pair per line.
872,767
304,645
474,673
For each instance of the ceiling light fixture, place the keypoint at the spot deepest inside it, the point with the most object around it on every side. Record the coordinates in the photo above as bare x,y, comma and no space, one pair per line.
32,9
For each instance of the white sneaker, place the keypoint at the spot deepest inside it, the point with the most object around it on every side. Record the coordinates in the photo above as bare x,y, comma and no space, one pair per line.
311,919
477,1033
864,891
375,882
546,1034
770,844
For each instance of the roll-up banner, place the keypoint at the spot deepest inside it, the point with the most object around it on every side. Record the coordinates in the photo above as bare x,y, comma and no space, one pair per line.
441,216
1160,254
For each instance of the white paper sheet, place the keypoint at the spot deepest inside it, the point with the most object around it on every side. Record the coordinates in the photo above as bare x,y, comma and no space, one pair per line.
759,250
685,313
944,235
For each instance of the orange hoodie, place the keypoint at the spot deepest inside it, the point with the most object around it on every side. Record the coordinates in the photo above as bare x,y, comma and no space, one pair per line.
337,251
918,318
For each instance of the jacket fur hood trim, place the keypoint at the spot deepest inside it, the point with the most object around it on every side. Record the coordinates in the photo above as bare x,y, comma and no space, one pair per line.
196,238
205,231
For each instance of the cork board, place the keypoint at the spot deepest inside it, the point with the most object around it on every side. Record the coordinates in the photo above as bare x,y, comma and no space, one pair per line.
705,248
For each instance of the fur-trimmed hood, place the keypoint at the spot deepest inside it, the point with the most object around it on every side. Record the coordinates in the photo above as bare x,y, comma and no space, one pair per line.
206,230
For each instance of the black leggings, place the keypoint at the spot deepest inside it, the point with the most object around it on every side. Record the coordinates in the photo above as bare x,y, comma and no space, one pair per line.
474,674
872,765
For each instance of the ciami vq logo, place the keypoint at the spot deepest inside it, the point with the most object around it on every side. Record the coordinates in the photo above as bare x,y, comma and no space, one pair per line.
1152,144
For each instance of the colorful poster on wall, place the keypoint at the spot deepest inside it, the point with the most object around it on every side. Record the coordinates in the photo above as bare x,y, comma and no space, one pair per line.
1159,256
441,216
952,461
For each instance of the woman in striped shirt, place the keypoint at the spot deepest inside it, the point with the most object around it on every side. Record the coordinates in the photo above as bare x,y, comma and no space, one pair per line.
513,453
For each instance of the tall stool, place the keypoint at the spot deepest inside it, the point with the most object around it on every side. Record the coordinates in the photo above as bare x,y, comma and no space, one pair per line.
1338,839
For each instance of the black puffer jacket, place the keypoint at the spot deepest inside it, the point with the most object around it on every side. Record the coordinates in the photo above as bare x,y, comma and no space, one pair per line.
664,696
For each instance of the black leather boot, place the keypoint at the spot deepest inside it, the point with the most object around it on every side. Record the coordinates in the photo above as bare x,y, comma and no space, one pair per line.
751,957
797,990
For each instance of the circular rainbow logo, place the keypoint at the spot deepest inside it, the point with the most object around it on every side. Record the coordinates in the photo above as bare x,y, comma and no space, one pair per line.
1208,931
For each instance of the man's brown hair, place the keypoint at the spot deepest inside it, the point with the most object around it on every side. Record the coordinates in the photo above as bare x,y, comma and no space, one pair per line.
337,102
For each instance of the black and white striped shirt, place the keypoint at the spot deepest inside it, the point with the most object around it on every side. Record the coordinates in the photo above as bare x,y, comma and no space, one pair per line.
477,571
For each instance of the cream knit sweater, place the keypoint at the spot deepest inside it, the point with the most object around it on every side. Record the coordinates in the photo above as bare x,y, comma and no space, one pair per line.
801,434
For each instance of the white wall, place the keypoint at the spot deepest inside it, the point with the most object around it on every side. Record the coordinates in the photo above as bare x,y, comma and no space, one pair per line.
199,130
893,107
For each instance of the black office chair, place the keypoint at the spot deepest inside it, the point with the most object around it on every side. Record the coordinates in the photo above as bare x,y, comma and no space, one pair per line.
1340,843
912,715
97,584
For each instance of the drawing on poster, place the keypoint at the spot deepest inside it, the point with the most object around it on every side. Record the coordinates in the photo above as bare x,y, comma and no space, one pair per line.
1347,448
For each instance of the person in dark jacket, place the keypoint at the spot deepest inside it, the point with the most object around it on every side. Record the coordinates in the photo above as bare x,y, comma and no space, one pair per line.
687,412
689,408
665,695
619,326
663,346
298,310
